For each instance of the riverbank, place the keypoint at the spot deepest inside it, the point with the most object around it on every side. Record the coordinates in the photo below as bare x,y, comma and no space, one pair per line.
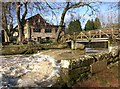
22,70
28,48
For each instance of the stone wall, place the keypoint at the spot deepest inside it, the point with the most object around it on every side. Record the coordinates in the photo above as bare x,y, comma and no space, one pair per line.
74,69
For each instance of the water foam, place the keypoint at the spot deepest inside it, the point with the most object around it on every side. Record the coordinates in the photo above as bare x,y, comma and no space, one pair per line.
31,67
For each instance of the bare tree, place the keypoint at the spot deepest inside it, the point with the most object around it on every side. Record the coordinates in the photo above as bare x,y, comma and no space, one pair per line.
20,21
7,21
43,8
21,9
66,6
71,5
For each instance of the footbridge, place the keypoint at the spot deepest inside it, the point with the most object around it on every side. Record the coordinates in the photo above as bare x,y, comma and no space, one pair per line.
94,36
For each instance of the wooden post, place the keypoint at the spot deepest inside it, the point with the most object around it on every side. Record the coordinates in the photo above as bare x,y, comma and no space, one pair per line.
111,42
73,44
96,36
74,38
89,34
81,36
112,33
99,33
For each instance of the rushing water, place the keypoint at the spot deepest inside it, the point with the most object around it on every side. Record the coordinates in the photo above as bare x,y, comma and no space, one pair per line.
28,70
35,70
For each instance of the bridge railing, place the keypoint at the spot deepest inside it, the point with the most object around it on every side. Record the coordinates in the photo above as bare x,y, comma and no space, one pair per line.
101,33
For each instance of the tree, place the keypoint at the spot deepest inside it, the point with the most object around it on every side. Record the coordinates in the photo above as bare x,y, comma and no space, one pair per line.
72,5
67,7
92,25
97,23
74,26
19,13
8,9
89,25
7,21
20,21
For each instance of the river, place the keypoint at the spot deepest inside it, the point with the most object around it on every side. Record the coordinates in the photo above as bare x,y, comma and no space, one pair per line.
36,70
28,70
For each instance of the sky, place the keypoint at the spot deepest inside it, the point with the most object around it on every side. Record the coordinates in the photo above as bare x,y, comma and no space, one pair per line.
80,13
104,9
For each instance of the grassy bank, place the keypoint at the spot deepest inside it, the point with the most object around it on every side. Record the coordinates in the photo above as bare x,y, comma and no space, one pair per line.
28,48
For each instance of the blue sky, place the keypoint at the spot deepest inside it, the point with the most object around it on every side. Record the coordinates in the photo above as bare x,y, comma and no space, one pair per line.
79,13
104,11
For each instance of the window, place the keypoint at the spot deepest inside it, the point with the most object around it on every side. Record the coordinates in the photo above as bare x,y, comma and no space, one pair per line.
38,38
56,30
36,30
48,30
47,38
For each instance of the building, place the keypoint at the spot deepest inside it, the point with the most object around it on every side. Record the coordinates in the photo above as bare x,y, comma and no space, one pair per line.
36,28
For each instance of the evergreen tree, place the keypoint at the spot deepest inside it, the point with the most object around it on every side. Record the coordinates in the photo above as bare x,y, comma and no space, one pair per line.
97,23
89,25
92,25
74,26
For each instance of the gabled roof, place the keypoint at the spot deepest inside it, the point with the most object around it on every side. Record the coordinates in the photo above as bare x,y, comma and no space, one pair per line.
42,21
30,19
36,17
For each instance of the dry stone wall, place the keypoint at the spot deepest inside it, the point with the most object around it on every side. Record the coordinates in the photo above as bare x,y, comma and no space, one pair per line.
73,69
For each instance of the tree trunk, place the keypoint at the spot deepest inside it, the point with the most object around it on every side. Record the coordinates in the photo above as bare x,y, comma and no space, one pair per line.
23,18
68,6
21,22
61,23
7,33
18,5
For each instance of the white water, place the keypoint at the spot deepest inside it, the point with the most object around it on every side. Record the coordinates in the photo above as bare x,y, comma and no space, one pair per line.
31,70
34,70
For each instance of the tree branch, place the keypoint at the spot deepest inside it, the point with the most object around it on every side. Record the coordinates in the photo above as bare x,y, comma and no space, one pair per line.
25,12
79,4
